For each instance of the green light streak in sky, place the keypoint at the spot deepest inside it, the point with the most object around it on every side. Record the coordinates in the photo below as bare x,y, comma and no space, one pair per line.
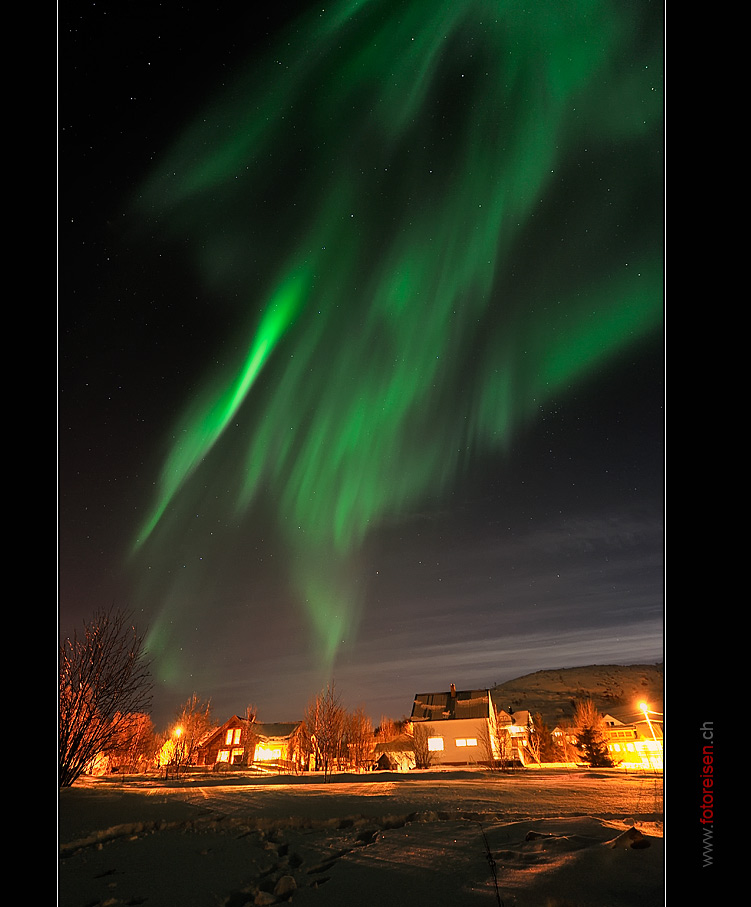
206,423
470,196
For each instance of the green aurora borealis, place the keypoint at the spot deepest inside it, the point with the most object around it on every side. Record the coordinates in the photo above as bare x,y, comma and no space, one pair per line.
426,219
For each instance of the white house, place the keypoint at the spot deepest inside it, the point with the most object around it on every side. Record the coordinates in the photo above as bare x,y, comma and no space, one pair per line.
462,729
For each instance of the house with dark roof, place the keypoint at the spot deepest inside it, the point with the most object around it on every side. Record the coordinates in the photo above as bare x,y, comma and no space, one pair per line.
240,742
461,725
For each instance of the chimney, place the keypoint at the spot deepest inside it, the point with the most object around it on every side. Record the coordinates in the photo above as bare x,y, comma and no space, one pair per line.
453,691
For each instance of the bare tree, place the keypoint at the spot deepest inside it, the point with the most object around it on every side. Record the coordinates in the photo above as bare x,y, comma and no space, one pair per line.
496,746
137,746
192,723
564,739
251,735
359,739
390,729
423,754
386,729
540,740
324,725
103,680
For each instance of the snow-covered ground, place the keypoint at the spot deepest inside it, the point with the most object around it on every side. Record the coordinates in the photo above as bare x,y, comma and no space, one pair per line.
527,839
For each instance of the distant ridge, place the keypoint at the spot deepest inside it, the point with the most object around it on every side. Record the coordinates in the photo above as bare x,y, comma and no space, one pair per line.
615,689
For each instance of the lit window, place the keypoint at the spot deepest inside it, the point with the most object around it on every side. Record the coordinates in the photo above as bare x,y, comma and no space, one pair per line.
435,743
233,736
630,747
267,753
223,756
461,742
471,741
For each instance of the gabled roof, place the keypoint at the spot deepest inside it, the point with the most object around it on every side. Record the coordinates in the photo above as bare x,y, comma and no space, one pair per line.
451,705
278,729
234,721
262,729
521,718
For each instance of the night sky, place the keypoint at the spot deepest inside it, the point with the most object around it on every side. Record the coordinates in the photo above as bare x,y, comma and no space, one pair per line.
361,342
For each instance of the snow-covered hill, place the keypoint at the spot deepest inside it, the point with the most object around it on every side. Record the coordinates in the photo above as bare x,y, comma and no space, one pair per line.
615,689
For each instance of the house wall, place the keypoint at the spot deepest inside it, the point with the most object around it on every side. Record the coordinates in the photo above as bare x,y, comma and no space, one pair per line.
628,748
219,750
464,741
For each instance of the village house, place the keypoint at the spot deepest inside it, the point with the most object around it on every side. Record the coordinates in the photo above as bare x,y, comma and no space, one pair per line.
637,745
462,726
240,742
512,736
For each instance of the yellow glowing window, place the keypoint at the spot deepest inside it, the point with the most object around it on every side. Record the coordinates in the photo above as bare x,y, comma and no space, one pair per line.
435,743
466,741
222,756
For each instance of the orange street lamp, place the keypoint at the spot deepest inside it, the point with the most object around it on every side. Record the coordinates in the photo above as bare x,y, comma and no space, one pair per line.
644,706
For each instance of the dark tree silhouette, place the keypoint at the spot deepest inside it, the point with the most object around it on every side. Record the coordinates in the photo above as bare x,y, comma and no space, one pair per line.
590,739
104,680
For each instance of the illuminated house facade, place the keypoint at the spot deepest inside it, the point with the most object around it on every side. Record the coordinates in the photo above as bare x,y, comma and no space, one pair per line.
462,727
232,743
512,736
637,745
